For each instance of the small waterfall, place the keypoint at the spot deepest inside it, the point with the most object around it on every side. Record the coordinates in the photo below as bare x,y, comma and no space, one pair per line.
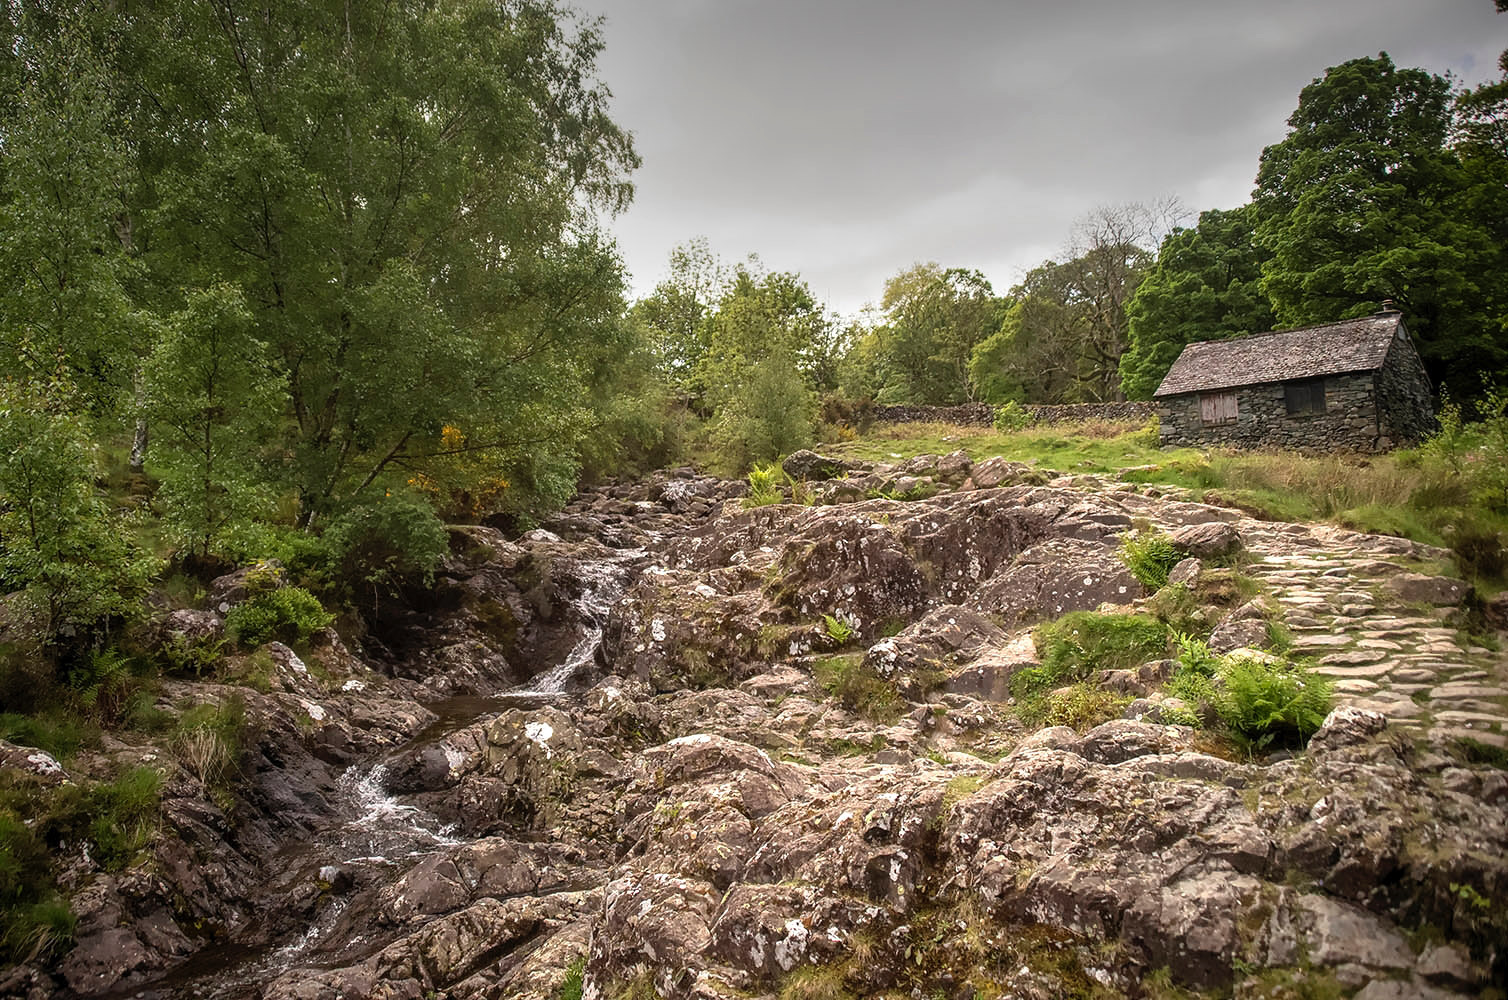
382,829
602,584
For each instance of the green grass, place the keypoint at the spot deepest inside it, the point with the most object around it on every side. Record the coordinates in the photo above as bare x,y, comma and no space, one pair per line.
1080,707
574,983
1096,446
858,688
1082,642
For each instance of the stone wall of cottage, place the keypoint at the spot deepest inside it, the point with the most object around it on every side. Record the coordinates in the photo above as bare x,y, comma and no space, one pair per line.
1404,396
1262,421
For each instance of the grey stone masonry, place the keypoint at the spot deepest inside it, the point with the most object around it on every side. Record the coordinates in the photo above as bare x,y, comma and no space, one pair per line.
1262,419
1404,396
1354,385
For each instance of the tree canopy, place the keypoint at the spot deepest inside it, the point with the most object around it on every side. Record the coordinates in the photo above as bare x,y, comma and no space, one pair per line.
1205,285
1365,199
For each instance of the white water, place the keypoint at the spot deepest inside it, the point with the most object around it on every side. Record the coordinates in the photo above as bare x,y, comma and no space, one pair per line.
382,828
603,583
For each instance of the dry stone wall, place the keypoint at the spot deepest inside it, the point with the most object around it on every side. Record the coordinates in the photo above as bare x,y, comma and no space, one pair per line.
1262,419
983,414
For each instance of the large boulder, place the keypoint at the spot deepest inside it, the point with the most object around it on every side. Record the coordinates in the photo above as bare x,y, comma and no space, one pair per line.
808,465
1210,540
1055,577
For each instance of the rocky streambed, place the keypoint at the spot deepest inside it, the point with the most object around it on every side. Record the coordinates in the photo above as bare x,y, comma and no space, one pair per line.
669,746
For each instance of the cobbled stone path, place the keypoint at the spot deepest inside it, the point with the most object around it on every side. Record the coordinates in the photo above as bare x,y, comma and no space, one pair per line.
1404,660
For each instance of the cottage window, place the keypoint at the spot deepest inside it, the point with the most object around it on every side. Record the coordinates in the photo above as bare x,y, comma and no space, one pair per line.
1305,397
1217,407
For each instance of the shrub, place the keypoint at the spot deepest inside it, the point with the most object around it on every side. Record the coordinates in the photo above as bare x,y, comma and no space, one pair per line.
1479,552
1270,700
1084,641
1150,556
182,656
290,614
70,559
383,545
1009,416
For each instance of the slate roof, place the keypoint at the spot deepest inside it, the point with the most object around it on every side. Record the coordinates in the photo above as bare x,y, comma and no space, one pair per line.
1351,345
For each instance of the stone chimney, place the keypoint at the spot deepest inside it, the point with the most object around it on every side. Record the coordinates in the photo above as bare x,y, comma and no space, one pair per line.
1388,308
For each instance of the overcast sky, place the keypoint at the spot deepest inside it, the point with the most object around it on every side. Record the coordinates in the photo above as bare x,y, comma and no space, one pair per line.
847,139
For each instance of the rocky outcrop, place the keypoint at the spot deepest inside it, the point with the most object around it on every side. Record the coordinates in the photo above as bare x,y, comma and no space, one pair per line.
793,766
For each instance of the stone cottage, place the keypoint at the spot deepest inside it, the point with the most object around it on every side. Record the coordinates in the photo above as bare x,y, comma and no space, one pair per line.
1357,385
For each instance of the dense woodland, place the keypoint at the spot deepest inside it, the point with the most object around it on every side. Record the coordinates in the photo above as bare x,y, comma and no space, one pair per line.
306,281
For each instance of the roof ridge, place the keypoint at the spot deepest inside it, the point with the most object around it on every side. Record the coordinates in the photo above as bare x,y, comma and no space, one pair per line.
1296,329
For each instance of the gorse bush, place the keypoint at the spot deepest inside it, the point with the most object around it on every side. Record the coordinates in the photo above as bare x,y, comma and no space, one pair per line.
289,614
1150,556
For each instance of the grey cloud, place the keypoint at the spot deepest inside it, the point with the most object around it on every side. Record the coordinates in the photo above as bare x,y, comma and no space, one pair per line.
846,139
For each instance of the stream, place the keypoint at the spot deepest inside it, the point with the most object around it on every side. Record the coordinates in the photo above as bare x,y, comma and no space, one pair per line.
374,836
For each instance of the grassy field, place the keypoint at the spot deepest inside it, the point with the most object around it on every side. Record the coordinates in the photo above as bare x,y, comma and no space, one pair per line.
1406,493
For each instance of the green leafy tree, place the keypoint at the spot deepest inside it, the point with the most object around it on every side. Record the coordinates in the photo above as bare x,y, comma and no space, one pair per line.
1062,339
1206,285
61,547
404,196
762,395
214,402
1364,200
64,174
934,320
675,313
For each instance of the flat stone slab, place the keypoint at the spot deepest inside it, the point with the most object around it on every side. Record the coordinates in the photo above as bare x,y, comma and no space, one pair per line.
1473,718
1446,734
1377,642
1354,658
1323,641
1415,675
1468,689
1355,685
1370,672
1393,708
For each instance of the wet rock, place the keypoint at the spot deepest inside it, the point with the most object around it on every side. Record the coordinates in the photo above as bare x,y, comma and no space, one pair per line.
953,468
1124,739
1055,577
1348,726
996,472
927,650
1239,633
1185,571
193,628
